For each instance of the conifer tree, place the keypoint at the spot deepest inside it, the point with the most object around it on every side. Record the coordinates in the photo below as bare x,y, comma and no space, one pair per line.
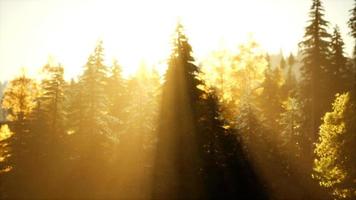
315,61
177,163
117,97
270,98
339,70
91,143
52,99
352,26
194,151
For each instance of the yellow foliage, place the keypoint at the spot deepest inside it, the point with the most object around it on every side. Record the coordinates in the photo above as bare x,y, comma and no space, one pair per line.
5,132
19,98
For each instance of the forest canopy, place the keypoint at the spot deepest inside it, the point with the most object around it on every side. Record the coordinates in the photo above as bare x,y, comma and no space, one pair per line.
242,123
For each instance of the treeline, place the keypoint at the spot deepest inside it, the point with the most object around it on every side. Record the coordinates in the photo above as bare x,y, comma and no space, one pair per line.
71,138
235,127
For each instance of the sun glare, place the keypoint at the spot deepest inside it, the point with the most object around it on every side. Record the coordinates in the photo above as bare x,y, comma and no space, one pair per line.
138,30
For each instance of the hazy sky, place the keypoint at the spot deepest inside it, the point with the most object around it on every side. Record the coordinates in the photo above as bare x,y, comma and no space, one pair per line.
136,30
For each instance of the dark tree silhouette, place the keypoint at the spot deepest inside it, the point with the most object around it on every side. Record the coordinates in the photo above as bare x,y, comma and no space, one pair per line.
196,156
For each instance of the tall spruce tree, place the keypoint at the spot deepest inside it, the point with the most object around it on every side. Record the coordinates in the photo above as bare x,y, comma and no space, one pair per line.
90,144
315,61
116,91
196,156
178,162
340,71
270,98
352,26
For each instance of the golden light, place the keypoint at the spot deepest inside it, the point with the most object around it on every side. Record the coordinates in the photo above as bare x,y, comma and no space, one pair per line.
138,30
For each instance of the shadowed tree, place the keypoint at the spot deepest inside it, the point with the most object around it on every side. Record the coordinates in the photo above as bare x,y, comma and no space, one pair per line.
195,154
315,62
19,101
340,71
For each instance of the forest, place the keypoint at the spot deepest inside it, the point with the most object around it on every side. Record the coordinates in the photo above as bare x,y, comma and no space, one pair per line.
239,125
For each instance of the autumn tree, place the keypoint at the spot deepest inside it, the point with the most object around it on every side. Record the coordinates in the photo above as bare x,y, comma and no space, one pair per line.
19,101
334,163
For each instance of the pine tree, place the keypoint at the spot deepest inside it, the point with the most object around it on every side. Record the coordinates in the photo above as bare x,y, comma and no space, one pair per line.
195,155
52,98
177,163
117,92
314,86
227,172
93,82
334,163
282,63
339,70
91,142
352,26
47,125
291,60
270,98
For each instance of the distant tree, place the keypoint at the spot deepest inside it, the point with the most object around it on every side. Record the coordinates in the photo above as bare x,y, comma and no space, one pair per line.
116,91
282,63
340,71
271,97
289,87
334,166
290,122
291,60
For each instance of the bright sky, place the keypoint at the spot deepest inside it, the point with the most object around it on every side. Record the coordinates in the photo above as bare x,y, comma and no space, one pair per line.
136,30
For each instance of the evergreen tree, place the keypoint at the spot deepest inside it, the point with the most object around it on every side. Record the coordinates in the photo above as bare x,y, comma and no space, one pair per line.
117,97
177,163
291,60
339,70
314,86
52,98
334,164
94,81
352,26
282,63
48,128
270,98
189,163
91,143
